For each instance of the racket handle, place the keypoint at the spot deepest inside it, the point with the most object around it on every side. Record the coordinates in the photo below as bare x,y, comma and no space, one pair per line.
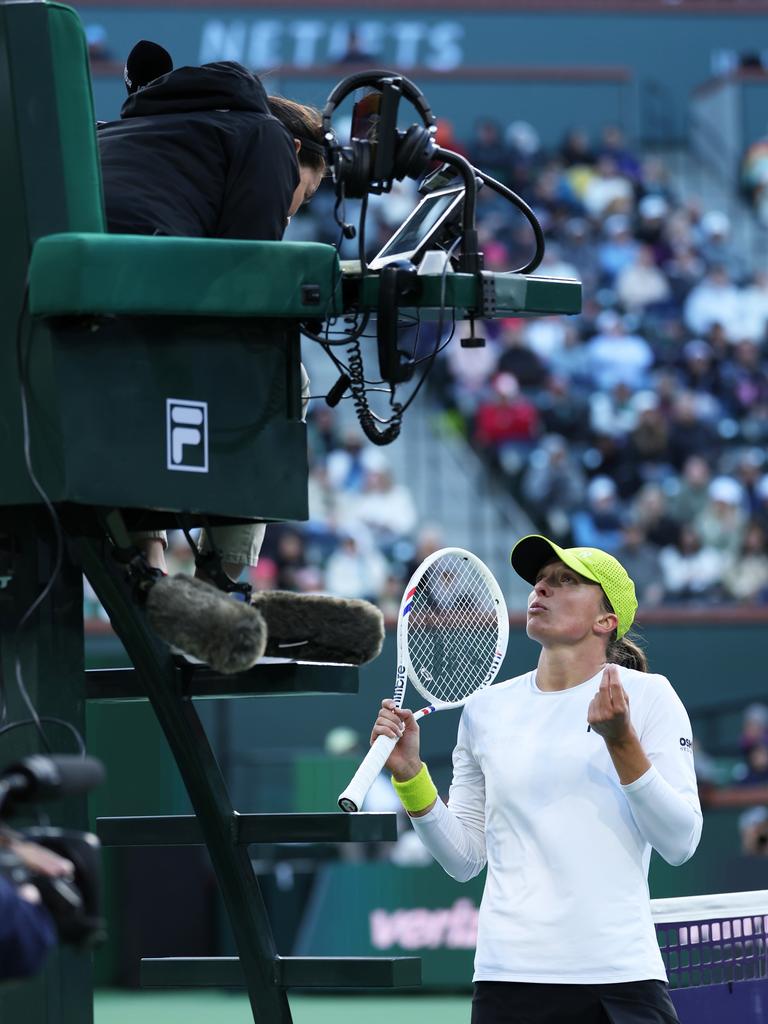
353,796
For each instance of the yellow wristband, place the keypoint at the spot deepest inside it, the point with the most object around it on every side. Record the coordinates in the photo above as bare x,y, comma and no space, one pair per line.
416,793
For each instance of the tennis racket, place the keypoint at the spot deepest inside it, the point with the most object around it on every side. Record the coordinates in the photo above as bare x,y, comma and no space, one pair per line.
452,634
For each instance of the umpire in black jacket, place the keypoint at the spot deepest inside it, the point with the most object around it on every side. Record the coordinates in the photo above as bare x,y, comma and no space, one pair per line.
203,152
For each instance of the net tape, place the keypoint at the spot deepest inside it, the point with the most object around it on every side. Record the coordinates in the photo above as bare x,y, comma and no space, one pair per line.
453,630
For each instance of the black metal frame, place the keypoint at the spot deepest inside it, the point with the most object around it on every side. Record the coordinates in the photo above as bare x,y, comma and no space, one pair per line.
170,688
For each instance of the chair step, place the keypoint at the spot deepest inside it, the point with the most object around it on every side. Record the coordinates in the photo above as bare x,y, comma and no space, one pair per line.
289,972
268,678
184,829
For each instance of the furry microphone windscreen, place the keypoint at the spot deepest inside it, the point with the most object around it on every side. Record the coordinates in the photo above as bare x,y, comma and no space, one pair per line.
310,627
187,613
146,62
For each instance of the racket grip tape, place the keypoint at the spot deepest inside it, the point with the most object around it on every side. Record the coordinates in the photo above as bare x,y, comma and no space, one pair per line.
353,796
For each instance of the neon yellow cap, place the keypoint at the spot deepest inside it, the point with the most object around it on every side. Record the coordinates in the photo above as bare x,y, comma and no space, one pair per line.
532,552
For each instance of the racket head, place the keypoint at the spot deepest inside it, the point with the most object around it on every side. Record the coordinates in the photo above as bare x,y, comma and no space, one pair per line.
453,628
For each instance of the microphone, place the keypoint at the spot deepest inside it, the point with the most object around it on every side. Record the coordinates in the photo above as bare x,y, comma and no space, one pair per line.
338,391
313,627
49,777
146,62
202,621
231,636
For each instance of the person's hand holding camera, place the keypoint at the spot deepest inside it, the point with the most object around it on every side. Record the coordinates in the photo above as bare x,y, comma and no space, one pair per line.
38,860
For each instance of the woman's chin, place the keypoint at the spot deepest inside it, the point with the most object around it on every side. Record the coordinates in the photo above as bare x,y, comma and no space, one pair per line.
534,627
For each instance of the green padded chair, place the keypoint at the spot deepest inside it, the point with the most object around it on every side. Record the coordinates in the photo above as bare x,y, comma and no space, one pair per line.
162,374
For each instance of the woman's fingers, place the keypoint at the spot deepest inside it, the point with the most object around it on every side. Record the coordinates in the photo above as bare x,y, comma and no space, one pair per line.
392,721
610,705
386,727
389,722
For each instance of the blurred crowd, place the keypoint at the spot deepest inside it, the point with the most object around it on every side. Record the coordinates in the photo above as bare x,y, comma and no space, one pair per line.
639,426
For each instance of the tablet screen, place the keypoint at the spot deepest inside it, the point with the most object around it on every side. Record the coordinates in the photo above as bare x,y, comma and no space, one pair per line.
420,227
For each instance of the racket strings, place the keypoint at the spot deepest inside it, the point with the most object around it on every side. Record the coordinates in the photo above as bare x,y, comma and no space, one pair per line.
453,630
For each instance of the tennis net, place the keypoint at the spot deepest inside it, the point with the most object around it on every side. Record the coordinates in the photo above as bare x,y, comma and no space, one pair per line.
706,940
715,949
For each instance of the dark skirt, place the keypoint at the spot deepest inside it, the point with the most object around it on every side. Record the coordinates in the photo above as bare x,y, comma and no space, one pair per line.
630,1002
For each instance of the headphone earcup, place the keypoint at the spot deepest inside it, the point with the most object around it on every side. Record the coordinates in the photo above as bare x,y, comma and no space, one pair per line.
397,282
353,165
415,153
352,168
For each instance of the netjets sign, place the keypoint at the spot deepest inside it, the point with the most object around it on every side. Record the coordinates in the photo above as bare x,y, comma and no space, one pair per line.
263,43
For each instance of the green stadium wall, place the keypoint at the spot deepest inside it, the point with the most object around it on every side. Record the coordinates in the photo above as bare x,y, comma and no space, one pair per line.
552,67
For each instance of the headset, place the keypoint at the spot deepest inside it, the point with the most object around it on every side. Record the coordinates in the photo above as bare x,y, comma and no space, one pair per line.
371,165
378,154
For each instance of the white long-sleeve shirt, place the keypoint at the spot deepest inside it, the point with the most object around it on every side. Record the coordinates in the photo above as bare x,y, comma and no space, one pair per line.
536,797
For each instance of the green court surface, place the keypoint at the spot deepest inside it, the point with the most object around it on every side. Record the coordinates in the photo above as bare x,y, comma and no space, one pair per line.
128,1007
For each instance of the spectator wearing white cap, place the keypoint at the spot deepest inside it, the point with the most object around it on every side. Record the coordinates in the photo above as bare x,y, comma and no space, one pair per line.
356,568
613,411
641,284
608,191
618,249
650,511
599,525
723,520
554,483
652,226
699,369
715,300
746,579
691,491
690,570
615,355
716,243
383,505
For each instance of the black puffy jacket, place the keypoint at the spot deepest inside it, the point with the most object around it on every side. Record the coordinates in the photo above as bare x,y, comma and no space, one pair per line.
197,153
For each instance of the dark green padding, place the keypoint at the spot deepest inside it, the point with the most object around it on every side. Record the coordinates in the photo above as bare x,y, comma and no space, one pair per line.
80,160
138,275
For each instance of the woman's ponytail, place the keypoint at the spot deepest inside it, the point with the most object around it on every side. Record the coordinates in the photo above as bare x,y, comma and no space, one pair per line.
627,652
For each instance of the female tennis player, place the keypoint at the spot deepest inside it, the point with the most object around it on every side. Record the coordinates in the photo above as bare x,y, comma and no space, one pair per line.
564,778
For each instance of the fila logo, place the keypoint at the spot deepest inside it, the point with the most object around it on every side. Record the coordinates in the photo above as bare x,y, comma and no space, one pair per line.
186,427
685,744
